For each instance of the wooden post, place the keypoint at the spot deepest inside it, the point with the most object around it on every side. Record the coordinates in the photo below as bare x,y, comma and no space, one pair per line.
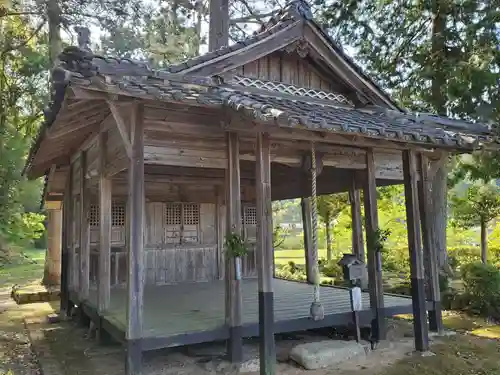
54,237
65,256
71,235
135,279
84,230
416,255
374,256
358,248
219,224
265,255
104,282
233,216
305,204
431,270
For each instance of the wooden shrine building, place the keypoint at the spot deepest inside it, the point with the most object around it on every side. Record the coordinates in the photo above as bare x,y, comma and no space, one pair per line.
154,167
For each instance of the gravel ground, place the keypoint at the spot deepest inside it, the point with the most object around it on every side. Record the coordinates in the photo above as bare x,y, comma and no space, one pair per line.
15,350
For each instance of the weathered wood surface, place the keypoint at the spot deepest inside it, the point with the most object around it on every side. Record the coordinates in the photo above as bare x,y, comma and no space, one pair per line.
431,269
416,254
358,247
265,255
374,257
288,68
233,281
136,209
105,186
181,264
84,230
200,306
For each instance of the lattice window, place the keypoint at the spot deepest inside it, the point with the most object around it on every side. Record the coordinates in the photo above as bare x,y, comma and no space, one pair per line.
94,215
191,214
172,214
250,215
118,215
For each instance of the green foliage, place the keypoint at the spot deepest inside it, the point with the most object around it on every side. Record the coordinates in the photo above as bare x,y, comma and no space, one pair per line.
291,271
331,268
377,239
482,287
479,204
235,246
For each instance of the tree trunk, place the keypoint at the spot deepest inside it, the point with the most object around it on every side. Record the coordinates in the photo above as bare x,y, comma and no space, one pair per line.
54,20
328,228
438,56
484,242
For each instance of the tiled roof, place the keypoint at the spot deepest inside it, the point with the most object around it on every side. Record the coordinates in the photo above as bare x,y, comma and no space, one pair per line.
373,122
299,111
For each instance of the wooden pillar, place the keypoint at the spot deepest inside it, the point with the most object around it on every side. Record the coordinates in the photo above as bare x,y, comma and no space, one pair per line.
416,254
135,279
219,231
357,227
71,235
233,217
373,256
431,269
104,281
265,255
54,238
65,256
84,230
305,204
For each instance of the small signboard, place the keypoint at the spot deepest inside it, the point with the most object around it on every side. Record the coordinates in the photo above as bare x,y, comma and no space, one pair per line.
357,304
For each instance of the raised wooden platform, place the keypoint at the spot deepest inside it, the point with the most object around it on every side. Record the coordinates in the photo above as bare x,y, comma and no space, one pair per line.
191,313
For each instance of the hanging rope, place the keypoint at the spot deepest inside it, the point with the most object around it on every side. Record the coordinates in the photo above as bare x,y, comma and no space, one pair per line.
317,311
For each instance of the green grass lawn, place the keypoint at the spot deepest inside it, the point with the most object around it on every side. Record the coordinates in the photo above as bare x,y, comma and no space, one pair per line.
295,255
25,268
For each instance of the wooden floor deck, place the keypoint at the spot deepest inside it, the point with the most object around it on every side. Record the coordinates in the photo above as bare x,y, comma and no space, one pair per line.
196,309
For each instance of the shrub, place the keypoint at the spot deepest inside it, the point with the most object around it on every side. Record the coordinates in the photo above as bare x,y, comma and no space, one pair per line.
331,268
482,288
290,271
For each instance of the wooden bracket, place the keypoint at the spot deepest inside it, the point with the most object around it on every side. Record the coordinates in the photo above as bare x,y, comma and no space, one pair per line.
123,127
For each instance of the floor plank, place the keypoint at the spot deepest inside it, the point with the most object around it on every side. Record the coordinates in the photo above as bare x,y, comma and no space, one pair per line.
175,309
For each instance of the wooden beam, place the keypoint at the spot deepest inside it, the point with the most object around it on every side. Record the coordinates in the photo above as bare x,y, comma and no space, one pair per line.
219,216
305,205
233,282
73,270
116,111
374,256
416,254
136,279
358,247
104,281
84,229
265,256
431,269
